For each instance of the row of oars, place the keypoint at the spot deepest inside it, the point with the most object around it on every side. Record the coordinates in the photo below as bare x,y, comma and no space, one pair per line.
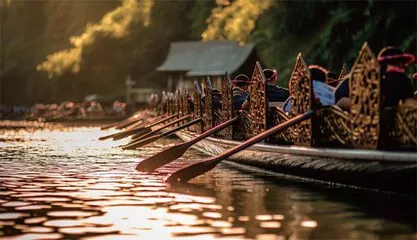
139,127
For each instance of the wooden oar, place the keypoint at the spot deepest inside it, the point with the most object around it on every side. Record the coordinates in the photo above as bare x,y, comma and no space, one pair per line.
138,137
118,125
132,129
151,139
143,136
129,122
138,130
194,170
175,152
136,115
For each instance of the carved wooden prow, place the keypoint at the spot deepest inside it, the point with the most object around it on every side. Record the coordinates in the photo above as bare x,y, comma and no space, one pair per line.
177,102
301,92
365,100
185,106
172,103
168,103
164,103
198,113
343,73
227,105
404,130
208,106
258,101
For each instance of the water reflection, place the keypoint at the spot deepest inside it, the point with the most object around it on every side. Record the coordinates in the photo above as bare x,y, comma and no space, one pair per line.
61,182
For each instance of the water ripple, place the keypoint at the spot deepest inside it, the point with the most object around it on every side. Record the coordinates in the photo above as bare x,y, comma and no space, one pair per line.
61,182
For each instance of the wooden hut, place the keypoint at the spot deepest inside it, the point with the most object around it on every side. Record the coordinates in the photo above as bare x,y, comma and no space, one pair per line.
195,60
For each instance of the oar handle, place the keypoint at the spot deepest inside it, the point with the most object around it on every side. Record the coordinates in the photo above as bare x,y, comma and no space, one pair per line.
151,139
190,123
264,135
212,130
162,127
129,123
137,140
163,120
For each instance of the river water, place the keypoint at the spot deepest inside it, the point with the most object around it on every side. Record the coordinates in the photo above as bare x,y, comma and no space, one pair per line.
61,182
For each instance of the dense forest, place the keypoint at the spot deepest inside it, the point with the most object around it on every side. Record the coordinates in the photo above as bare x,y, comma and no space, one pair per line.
60,50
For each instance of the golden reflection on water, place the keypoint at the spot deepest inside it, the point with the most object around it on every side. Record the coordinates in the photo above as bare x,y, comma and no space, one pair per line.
61,182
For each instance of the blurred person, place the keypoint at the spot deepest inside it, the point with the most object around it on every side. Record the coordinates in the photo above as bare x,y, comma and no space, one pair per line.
240,90
332,79
323,93
276,95
396,85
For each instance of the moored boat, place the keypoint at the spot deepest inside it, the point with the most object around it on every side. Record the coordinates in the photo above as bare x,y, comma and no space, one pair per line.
370,146
375,169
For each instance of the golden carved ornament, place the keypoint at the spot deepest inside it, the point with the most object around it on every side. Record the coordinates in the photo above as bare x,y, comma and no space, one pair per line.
198,113
170,104
208,106
365,100
177,102
343,73
258,101
405,124
185,107
278,116
301,92
334,126
227,112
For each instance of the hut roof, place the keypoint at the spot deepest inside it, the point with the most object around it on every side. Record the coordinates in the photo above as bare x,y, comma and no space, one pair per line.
208,58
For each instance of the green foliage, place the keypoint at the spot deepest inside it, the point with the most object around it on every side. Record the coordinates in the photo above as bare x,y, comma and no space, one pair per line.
29,31
234,20
199,15
91,46
114,25
331,33
131,40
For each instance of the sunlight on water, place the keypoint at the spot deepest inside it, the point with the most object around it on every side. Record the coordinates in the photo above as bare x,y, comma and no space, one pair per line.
61,182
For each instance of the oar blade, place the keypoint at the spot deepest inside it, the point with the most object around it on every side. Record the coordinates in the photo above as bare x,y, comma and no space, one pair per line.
191,171
162,158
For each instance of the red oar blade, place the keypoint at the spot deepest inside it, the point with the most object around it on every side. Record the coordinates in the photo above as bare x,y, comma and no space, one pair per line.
192,171
160,159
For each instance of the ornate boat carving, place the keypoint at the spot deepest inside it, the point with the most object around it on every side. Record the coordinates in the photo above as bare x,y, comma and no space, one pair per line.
405,125
227,111
403,128
343,73
365,100
170,99
334,128
185,109
198,113
277,116
301,93
243,129
258,101
208,118
368,124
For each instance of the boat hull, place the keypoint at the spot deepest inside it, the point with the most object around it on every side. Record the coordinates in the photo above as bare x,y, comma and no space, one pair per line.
381,170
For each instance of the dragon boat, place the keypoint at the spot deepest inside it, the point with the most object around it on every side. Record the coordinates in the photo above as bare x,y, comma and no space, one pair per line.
371,146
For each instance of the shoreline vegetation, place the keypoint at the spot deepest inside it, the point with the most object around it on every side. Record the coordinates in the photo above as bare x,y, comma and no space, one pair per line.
59,50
